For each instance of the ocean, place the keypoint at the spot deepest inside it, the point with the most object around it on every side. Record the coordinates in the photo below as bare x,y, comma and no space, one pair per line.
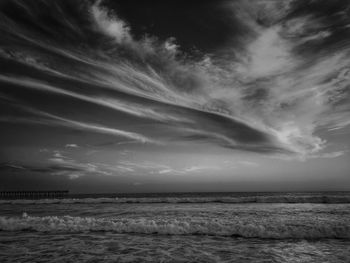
178,227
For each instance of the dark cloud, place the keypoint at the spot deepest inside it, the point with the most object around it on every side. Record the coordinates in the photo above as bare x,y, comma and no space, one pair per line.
16,176
39,168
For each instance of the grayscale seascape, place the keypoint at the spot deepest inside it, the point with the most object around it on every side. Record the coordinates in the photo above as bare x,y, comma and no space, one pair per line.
175,131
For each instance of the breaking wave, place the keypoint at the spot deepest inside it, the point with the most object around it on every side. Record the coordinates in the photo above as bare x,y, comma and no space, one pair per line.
317,199
181,226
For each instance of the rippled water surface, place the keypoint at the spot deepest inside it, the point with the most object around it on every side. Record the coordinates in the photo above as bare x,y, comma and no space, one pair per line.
111,247
96,230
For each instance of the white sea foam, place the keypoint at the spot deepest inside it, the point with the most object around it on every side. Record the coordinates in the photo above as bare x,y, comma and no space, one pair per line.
320,199
179,226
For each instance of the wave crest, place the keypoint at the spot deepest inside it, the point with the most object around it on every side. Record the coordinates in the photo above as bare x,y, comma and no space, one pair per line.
181,226
317,199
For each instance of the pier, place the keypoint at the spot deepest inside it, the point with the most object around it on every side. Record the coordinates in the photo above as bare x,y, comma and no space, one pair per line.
33,194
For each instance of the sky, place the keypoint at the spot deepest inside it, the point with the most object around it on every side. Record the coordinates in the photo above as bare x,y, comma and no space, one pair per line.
167,96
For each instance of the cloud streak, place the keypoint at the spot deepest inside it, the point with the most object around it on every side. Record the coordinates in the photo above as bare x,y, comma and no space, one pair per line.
46,118
271,88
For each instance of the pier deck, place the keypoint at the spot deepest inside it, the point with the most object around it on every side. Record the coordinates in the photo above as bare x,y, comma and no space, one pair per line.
33,194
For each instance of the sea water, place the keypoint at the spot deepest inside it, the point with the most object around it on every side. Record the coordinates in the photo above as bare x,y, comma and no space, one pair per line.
188,227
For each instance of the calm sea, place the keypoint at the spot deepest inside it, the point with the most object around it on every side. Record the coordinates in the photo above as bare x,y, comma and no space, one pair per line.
186,227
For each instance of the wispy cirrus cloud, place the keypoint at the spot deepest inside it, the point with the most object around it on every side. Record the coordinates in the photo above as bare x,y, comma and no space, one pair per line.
71,145
45,118
110,24
272,91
